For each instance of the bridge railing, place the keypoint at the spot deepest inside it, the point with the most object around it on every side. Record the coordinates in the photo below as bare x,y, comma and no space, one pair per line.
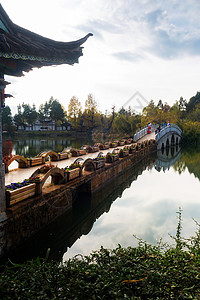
166,129
143,131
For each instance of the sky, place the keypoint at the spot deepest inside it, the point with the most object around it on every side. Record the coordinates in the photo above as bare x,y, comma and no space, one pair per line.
140,51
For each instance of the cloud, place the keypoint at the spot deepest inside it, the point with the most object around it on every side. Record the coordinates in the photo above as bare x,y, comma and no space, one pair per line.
127,56
150,46
154,17
169,46
99,28
153,27
173,34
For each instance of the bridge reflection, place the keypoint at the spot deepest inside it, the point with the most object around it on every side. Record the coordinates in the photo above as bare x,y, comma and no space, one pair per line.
62,233
167,157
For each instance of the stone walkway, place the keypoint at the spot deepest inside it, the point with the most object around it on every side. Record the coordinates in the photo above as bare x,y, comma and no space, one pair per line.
18,175
147,137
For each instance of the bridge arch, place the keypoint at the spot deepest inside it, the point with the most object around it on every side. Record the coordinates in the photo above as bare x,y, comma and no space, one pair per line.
88,165
23,162
168,136
172,140
53,156
74,152
99,145
56,174
167,142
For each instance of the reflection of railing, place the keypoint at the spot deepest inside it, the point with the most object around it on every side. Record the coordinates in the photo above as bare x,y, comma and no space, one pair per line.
168,129
143,131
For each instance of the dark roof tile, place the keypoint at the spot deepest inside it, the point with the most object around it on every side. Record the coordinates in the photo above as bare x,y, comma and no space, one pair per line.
21,50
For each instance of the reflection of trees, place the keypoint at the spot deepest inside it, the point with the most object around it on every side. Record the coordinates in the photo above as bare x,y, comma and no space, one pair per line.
191,159
179,166
30,147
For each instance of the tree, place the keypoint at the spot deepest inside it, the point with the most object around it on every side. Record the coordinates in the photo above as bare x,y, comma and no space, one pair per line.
182,104
51,109
149,114
56,111
91,104
194,115
122,111
121,124
108,119
74,111
7,119
90,114
175,113
29,114
125,122
166,107
193,102
44,110
18,118
160,104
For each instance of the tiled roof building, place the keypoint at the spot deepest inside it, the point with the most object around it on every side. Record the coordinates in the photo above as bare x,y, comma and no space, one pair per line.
22,50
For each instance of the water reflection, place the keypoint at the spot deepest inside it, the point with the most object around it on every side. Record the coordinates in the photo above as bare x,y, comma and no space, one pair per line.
30,147
66,230
148,209
131,204
167,157
190,160
7,147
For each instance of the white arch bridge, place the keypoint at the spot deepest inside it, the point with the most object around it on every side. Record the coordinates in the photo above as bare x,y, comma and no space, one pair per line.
169,135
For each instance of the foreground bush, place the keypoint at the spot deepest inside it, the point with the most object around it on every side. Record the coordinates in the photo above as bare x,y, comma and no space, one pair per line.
145,272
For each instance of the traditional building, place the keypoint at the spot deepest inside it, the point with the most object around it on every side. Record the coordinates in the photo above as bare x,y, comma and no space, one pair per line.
45,125
22,50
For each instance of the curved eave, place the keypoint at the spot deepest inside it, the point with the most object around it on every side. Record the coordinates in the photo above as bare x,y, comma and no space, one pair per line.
21,50
36,38
15,64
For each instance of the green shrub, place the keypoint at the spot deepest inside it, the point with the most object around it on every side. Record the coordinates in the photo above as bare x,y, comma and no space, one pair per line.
144,272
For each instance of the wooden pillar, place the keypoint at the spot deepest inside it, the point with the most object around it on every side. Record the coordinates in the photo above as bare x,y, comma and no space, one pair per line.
3,84
2,171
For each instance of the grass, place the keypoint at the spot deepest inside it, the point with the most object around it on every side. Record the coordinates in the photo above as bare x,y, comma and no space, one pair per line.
144,272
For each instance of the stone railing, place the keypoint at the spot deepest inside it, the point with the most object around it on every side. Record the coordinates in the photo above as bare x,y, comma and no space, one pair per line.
168,129
143,131
17,192
65,154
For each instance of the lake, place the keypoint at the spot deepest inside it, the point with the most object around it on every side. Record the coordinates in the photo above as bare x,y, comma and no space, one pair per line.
143,201
30,147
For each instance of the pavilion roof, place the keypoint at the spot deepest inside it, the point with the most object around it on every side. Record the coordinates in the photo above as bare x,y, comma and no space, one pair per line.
21,50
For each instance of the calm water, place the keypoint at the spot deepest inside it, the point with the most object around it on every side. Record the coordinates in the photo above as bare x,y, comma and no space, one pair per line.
147,206
30,147
143,202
